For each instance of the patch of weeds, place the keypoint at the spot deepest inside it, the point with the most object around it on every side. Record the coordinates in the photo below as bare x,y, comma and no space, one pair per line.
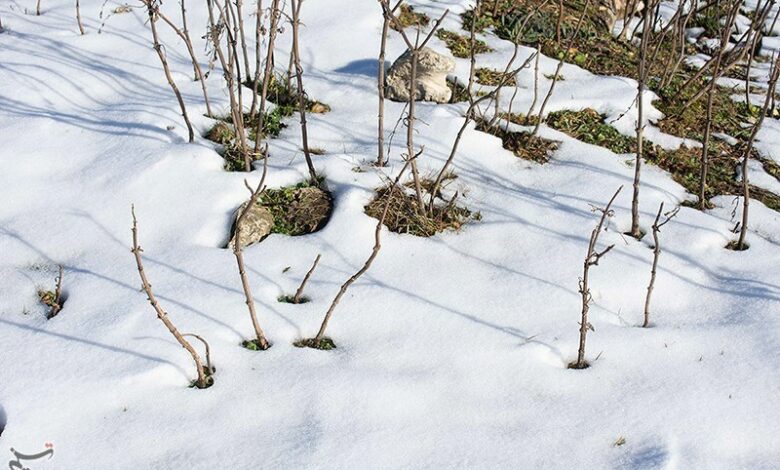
208,374
407,17
290,299
539,27
590,127
521,119
551,76
522,144
284,94
427,184
233,155
52,300
459,94
406,216
594,48
684,166
299,209
460,46
487,18
768,198
709,19
492,77
221,132
272,123
254,345
728,115
683,163
324,344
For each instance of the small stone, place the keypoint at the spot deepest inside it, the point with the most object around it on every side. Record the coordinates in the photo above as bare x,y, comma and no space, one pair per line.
256,225
431,77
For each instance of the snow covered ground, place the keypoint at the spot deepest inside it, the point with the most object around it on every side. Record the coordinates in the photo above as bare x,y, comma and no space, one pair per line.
452,350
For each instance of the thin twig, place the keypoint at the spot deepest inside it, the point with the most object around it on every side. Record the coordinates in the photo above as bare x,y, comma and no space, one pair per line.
299,292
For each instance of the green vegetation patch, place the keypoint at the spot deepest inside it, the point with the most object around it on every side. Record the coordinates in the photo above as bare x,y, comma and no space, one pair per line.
407,17
460,46
522,144
299,209
492,77
688,120
683,163
588,126
323,344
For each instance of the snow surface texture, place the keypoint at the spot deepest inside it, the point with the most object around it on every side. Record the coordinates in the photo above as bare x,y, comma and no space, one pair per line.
452,350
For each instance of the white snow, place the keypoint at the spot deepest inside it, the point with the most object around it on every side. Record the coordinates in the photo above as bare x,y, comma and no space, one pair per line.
452,350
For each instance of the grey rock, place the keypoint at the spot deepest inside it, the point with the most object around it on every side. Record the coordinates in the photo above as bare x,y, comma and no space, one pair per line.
431,77
256,225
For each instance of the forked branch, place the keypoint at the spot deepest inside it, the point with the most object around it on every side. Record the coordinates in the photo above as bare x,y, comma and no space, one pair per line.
204,380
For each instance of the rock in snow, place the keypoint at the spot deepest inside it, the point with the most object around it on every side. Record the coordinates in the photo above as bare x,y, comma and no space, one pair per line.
256,226
432,70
